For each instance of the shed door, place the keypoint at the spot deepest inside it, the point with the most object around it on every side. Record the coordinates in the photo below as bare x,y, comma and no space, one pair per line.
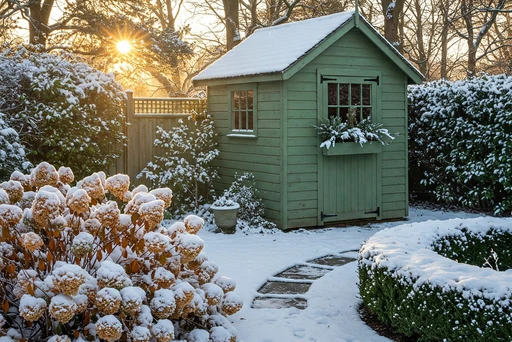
350,183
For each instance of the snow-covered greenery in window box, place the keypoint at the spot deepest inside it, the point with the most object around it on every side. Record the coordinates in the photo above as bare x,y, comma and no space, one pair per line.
432,280
350,134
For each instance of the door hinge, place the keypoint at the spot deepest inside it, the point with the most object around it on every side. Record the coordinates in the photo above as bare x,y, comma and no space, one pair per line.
374,212
375,79
322,215
323,78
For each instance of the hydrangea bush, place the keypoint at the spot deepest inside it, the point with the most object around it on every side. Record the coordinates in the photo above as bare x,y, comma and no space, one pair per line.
92,262
460,141
186,162
433,280
64,111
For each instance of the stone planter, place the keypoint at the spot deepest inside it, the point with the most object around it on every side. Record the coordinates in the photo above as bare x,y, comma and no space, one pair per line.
225,217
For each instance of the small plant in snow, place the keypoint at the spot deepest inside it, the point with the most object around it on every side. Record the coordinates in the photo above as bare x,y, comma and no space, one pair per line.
244,192
335,129
492,261
186,163
76,266
12,151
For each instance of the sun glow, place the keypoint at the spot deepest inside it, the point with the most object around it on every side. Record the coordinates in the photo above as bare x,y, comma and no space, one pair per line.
124,46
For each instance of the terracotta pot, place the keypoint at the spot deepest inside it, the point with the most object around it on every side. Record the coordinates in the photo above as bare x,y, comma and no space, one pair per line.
225,217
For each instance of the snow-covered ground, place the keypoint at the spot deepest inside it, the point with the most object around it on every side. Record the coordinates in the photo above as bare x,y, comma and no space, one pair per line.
331,314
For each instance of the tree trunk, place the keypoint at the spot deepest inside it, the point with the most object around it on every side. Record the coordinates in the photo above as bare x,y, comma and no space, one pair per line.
392,10
445,8
232,24
39,16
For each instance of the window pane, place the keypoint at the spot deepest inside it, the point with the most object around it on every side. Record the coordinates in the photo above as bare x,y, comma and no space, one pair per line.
236,120
367,113
333,112
250,115
344,113
343,94
356,94
332,89
367,94
236,99
243,100
250,99
243,121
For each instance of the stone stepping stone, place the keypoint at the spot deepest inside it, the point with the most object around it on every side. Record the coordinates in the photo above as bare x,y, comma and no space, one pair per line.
280,287
303,272
332,260
279,303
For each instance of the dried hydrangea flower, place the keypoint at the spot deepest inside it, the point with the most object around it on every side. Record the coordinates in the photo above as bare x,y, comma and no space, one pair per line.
82,244
108,214
14,190
31,241
152,213
108,300
81,301
66,175
144,318
24,279
23,179
89,288
93,185
193,223
140,188
198,335
221,334
4,198
189,246
68,278
62,308
47,205
92,225
156,242
125,222
78,200
231,303
132,207
44,174
31,308
197,305
163,278
132,298
183,294
118,185
109,328
213,293
164,194
163,304
112,275
140,334
59,338
206,272
163,330
226,284
10,215
197,261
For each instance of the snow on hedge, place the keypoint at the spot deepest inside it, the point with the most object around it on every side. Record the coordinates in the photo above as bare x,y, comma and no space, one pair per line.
460,141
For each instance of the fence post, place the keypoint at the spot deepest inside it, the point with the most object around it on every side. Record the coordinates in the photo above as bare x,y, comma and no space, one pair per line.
129,113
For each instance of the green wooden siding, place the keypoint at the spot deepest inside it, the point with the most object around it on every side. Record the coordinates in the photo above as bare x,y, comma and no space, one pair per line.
262,155
352,52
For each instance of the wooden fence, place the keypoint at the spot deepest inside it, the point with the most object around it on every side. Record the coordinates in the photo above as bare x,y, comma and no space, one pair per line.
143,116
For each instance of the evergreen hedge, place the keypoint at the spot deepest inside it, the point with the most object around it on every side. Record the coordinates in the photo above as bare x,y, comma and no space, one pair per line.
440,300
460,142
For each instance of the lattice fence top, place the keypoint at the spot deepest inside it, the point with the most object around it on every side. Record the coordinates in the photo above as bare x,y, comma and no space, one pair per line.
171,106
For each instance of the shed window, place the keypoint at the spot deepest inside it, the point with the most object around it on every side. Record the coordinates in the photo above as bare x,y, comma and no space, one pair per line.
243,110
342,97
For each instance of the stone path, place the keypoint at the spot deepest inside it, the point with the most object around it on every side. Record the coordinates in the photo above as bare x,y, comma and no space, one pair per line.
287,288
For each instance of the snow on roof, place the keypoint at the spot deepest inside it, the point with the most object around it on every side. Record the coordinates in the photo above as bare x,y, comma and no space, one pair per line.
273,49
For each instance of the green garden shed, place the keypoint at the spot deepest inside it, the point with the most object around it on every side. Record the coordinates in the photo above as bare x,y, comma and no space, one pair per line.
267,94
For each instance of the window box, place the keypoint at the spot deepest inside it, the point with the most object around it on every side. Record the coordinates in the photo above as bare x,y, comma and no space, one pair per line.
351,148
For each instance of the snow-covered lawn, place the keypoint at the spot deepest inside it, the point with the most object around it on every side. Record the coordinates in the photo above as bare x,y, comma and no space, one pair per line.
331,314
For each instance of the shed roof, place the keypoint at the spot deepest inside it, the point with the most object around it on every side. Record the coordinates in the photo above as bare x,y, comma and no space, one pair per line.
276,49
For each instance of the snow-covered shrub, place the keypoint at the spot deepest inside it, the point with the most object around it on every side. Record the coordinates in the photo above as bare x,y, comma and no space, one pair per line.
93,262
335,129
64,111
460,141
244,192
186,163
12,152
418,278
